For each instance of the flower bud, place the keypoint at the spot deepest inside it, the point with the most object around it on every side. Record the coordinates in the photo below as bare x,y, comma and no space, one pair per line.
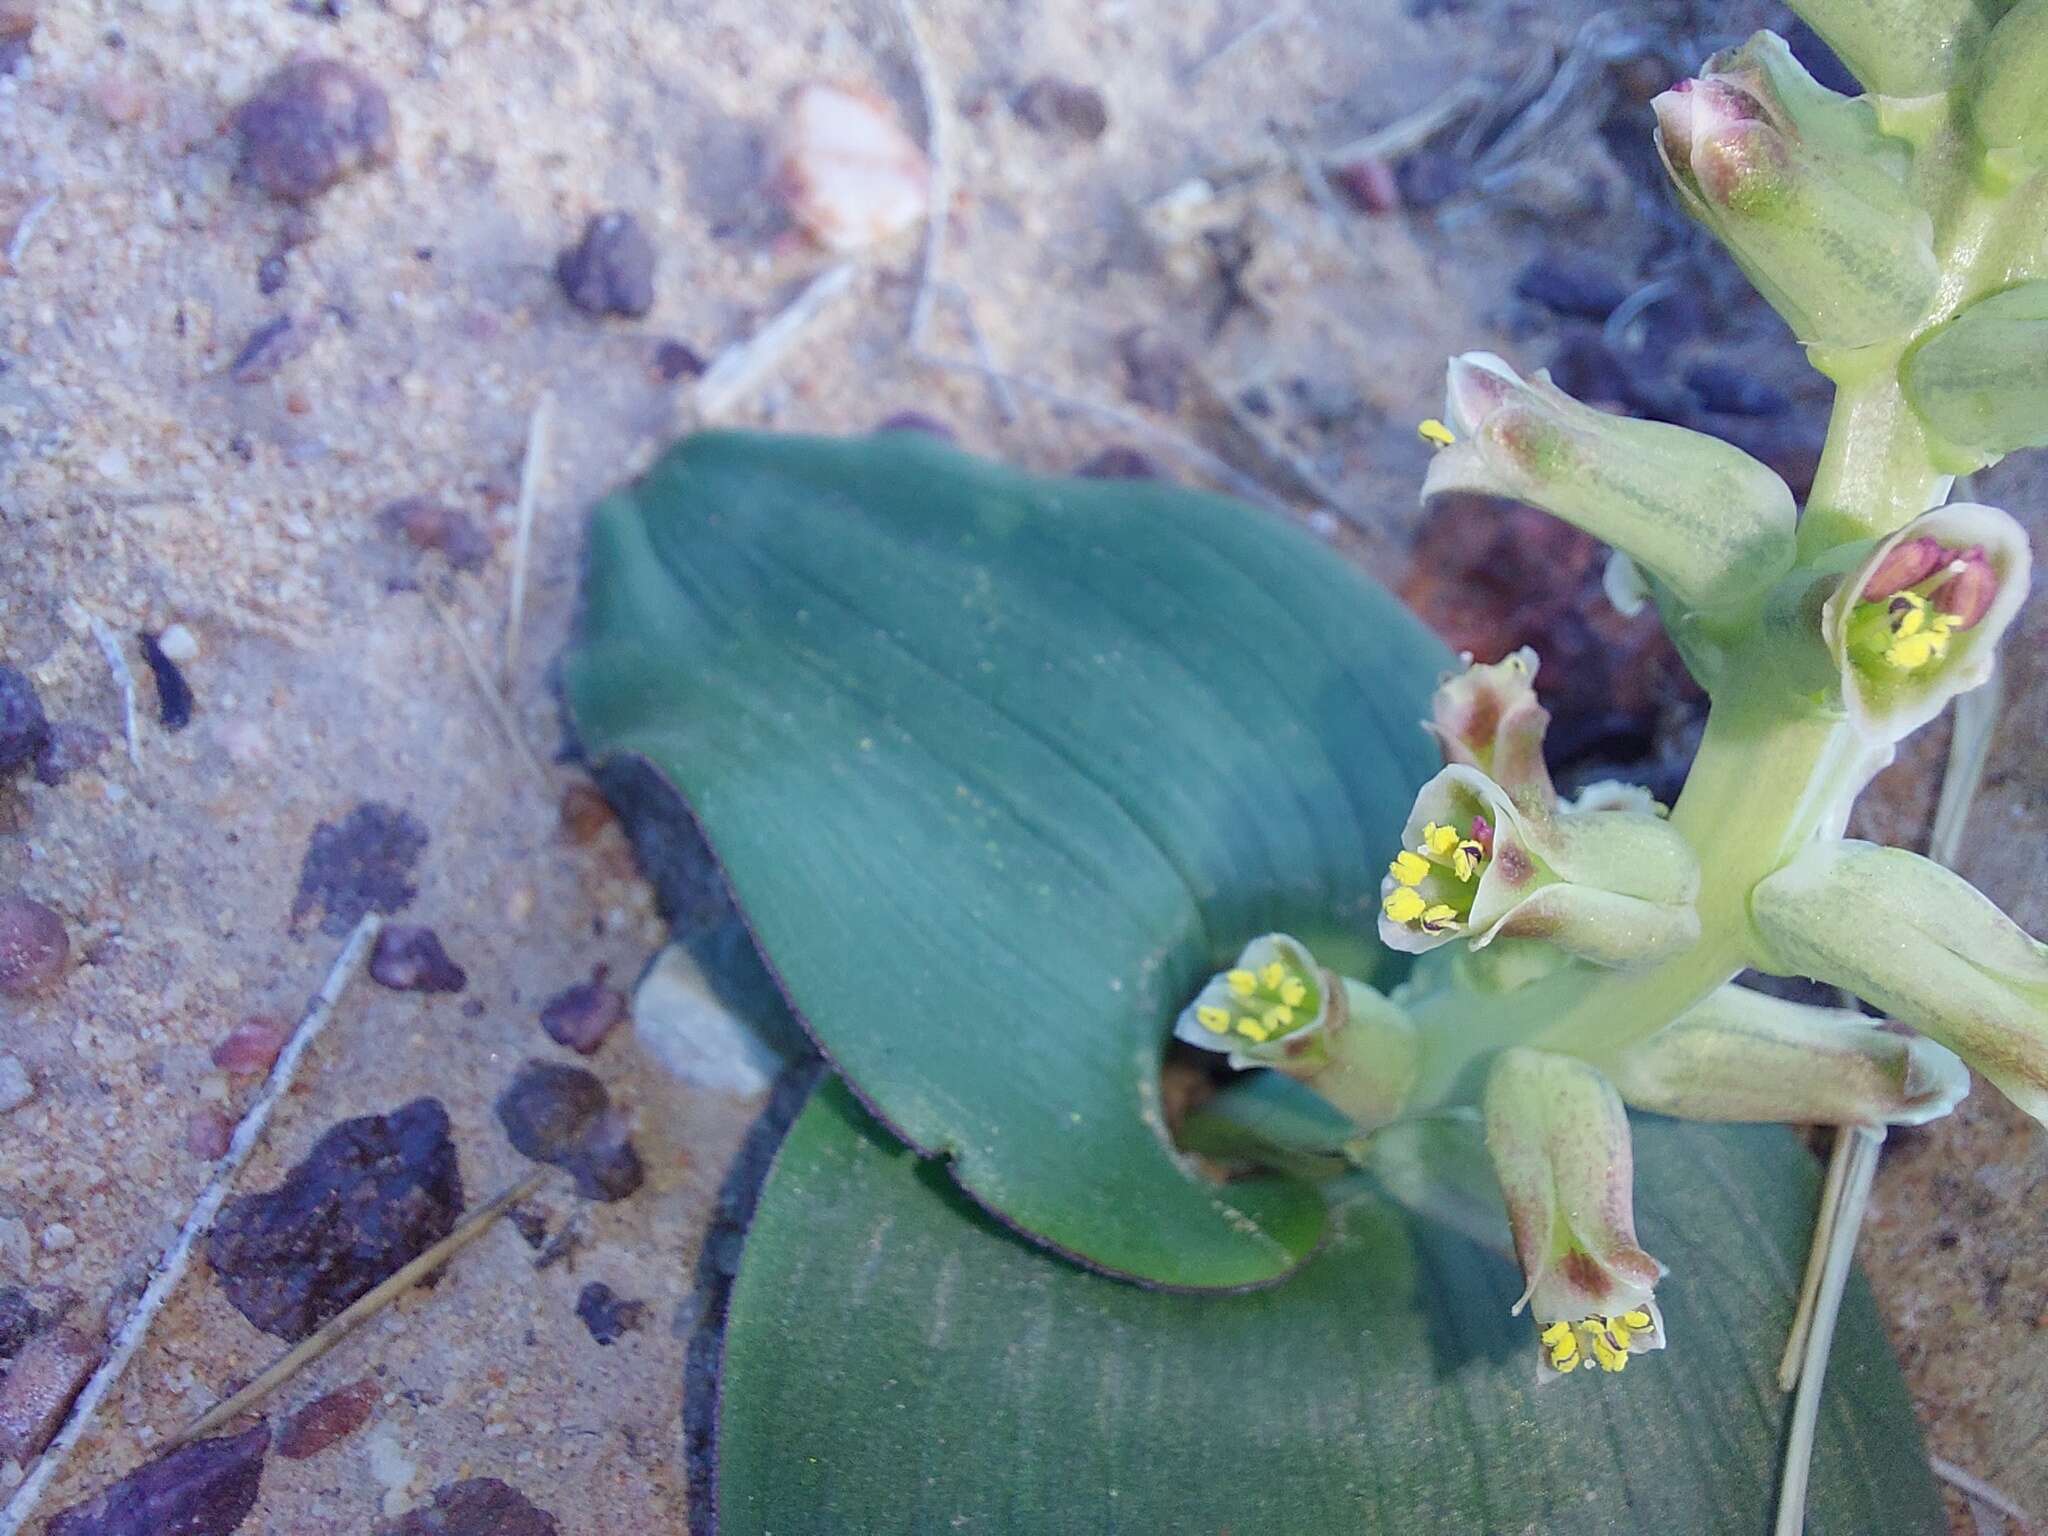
1919,619
1744,1055
1275,1002
2010,112
1801,187
1487,717
1900,47
1980,382
1612,886
1710,521
1920,942
1559,1140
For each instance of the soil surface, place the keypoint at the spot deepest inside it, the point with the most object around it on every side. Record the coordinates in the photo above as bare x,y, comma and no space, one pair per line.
267,381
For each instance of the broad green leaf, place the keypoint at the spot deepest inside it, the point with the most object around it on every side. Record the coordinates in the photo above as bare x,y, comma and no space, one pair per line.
894,1362
999,768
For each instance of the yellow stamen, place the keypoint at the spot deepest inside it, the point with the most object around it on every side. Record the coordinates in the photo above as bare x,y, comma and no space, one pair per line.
1404,904
1279,1018
1466,858
1439,839
1409,868
1439,917
1293,992
1254,1031
1215,1020
1243,983
1434,431
1636,1319
1271,977
1610,1358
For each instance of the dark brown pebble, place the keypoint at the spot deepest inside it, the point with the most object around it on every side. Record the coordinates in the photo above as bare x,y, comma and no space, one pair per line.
326,1420
71,746
173,693
1052,105
562,1115
607,1314
584,1014
39,1388
675,360
24,729
483,1506
271,274
207,1488
409,958
33,946
915,421
1368,185
250,1048
430,526
373,1193
269,347
310,125
584,814
19,1320
208,1134
1118,462
610,271
359,865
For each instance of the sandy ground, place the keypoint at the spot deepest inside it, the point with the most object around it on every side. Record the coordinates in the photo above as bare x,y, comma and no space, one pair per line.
141,482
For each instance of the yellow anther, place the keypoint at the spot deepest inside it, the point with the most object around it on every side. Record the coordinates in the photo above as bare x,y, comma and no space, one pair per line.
1619,1332
1293,992
1215,1020
1279,1018
1556,1333
1439,839
1271,977
1254,1031
1434,431
1610,1358
1439,917
1409,868
1404,904
1243,983
1466,859
1636,1319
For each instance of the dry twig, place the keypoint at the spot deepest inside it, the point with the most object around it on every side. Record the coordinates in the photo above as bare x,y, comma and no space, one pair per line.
742,365
117,663
1977,1491
494,701
530,470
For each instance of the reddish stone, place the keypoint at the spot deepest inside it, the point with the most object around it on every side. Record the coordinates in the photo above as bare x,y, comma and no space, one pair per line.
39,1389
326,1420
250,1048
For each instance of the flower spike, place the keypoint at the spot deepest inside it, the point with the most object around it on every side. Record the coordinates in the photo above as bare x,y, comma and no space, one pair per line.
1710,521
1920,942
1559,1139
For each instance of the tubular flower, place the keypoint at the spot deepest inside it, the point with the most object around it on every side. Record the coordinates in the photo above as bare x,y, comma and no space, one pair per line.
1919,620
1487,717
1612,886
1712,523
1274,999
1559,1140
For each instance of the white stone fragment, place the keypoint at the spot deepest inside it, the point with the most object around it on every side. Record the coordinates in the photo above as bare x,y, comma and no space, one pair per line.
682,1024
851,176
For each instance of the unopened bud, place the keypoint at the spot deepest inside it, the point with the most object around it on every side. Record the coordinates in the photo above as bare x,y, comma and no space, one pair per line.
1744,1055
1487,717
1919,620
1920,942
1804,191
2010,112
1711,522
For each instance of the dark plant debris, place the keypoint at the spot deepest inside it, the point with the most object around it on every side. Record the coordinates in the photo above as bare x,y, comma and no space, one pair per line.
359,865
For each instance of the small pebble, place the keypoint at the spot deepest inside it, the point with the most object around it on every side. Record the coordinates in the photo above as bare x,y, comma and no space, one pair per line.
373,1193
70,747
674,360
584,814
849,174
23,727
312,124
409,958
173,694
208,1134
482,1506
1369,185
271,274
610,271
16,1086
431,527
1052,105
58,1238
207,1488
39,1389
607,1314
915,421
33,947
269,347
327,1420
251,1047
178,643
583,1015
1119,461
562,1115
